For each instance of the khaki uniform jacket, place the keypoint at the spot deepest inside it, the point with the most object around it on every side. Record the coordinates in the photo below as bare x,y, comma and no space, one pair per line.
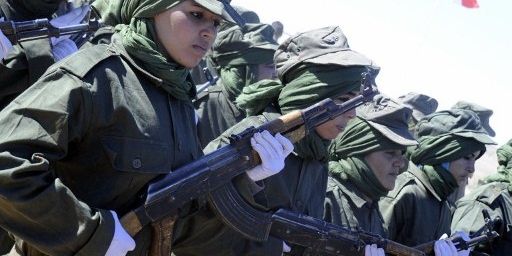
468,216
413,212
217,113
85,139
346,206
300,187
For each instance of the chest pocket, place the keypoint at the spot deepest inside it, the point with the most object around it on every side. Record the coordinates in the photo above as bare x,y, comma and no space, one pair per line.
137,155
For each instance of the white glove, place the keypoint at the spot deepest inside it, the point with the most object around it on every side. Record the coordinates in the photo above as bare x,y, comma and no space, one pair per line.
373,250
443,247
286,248
272,150
5,44
73,17
466,238
122,242
63,48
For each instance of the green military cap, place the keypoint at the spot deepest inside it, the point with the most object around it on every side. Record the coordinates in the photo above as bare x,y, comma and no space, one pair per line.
483,113
237,40
389,117
459,122
121,12
420,104
326,45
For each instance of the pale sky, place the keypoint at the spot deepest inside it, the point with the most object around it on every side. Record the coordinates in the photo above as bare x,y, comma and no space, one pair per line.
435,47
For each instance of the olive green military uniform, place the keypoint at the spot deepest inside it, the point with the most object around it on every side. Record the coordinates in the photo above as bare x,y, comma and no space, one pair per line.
417,210
413,212
497,199
85,139
237,52
91,134
27,61
495,196
353,190
347,206
301,185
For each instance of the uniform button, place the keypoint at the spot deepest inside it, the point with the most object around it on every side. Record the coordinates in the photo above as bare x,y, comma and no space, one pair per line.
136,163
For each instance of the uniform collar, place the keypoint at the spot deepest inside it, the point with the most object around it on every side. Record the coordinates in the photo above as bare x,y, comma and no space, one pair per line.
422,177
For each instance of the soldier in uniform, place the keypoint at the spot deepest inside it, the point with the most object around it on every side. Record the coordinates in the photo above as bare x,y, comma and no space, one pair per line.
364,163
243,56
416,211
79,147
25,62
311,66
495,196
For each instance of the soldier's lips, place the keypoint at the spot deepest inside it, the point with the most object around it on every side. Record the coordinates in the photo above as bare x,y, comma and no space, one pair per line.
200,49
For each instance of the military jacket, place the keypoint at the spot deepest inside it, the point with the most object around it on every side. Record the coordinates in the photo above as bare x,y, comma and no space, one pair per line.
217,113
300,187
345,205
85,139
468,216
413,212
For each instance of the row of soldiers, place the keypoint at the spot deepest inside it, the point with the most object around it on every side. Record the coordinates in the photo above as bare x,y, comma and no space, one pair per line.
88,134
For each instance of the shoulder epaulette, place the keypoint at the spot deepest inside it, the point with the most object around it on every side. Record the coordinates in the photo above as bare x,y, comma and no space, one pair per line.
89,57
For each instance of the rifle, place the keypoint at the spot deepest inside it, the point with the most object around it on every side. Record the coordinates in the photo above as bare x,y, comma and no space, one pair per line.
325,238
211,80
214,171
485,234
21,31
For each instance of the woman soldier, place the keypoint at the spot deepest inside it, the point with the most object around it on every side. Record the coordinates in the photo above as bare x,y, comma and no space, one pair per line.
79,147
416,211
312,66
242,56
495,196
364,163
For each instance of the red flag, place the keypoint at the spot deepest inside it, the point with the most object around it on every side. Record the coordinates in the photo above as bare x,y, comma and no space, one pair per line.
470,3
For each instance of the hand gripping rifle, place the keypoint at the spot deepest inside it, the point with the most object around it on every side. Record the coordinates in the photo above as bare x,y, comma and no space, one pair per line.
20,31
484,235
214,171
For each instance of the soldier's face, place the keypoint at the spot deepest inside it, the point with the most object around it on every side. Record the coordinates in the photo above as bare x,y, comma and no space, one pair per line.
386,165
330,129
187,31
463,167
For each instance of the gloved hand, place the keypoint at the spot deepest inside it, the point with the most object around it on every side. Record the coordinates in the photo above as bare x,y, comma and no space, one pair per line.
272,150
5,44
73,17
286,248
466,238
63,48
373,250
122,242
444,247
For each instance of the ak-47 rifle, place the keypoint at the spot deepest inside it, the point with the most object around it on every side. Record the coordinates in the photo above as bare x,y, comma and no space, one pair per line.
20,31
483,235
214,171
325,238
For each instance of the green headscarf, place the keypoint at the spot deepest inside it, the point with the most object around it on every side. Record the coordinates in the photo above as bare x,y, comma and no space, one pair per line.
347,154
433,151
133,20
306,85
237,52
504,173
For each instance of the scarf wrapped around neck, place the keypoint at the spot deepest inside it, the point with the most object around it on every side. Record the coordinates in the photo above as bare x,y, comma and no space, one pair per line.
133,20
347,154
305,86
432,151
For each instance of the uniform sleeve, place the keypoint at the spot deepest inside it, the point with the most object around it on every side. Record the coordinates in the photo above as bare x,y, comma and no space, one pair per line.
36,130
397,211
